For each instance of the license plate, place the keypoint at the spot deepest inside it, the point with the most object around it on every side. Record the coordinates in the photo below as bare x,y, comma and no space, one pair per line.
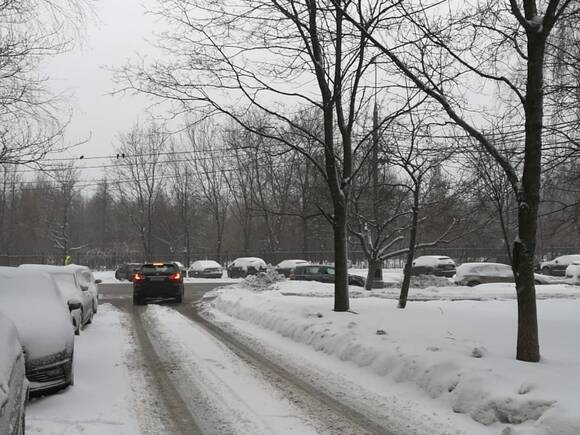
157,278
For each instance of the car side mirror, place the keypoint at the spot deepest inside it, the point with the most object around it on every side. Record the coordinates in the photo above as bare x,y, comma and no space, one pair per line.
98,281
73,304
84,287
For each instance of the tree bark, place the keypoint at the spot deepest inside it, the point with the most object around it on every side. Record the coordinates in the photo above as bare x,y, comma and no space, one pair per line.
411,253
528,347
341,297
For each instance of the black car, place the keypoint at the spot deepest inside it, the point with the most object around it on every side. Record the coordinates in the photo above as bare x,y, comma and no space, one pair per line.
322,273
126,271
158,280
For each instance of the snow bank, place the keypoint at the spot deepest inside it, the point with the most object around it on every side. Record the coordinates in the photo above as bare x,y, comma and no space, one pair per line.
459,353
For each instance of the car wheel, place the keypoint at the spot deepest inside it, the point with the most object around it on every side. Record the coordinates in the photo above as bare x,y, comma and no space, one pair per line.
546,271
473,283
76,327
95,306
179,299
138,301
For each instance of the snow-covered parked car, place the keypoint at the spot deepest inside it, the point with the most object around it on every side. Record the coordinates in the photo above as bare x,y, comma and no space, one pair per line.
205,269
286,267
557,266
70,288
244,266
87,279
438,265
31,299
13,383
573,273
472,274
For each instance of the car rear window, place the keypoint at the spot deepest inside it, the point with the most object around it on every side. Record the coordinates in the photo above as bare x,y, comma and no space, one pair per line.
159,268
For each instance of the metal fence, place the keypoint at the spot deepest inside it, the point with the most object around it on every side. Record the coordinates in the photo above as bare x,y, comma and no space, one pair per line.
110,260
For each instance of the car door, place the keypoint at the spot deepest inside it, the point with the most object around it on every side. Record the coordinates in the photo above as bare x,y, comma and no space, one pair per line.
327,274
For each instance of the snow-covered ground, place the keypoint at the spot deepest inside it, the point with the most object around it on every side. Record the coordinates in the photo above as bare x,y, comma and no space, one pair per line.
102,401
446,362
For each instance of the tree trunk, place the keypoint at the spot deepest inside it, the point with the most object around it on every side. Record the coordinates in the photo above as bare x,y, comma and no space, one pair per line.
412,242
528,347
341,298
373,263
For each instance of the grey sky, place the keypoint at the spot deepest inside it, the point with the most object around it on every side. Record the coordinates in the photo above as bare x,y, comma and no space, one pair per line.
118,34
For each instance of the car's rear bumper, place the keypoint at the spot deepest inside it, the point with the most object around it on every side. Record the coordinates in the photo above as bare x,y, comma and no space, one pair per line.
158,290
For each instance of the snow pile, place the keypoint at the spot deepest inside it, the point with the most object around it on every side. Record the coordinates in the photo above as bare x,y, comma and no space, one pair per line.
262,280
106,276
459,353
426,281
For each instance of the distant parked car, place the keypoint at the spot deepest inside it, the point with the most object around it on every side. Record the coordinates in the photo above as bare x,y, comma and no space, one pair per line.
244,266
287,266
68,282
205,269
322,273
31,299
557,266
182,268
437,265
87,279
573,273
126,271
472,274
158,280
14,386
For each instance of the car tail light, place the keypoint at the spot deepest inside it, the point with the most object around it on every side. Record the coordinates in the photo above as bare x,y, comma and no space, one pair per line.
175,277
138,277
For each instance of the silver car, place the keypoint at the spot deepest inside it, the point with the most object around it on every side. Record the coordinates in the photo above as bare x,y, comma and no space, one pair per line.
32,301
14,386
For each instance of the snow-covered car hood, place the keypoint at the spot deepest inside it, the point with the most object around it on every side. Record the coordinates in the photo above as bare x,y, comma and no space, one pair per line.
31,300
288,264
204,264
432,261
483,269
248,261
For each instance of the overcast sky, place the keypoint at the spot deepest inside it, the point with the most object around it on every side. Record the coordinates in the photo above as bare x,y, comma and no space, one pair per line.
117,33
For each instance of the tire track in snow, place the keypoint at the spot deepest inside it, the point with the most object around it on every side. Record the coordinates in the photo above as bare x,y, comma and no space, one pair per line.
179,421
335,417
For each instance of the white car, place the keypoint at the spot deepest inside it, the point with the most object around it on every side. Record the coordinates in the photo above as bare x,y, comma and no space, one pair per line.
31,299
472,274
87,279
13,383
205,269
70,287
438,265
573,273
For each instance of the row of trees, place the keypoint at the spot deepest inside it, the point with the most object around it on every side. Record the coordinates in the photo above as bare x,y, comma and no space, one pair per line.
480,68
220,192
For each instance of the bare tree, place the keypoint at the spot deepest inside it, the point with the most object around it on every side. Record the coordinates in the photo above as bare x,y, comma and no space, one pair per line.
471,45
209,173
30,115
139,179
277,57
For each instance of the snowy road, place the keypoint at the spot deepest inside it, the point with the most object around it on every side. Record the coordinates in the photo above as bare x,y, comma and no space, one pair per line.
210,383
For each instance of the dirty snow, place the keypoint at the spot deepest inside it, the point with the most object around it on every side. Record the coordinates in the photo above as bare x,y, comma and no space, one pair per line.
103,399
458,355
